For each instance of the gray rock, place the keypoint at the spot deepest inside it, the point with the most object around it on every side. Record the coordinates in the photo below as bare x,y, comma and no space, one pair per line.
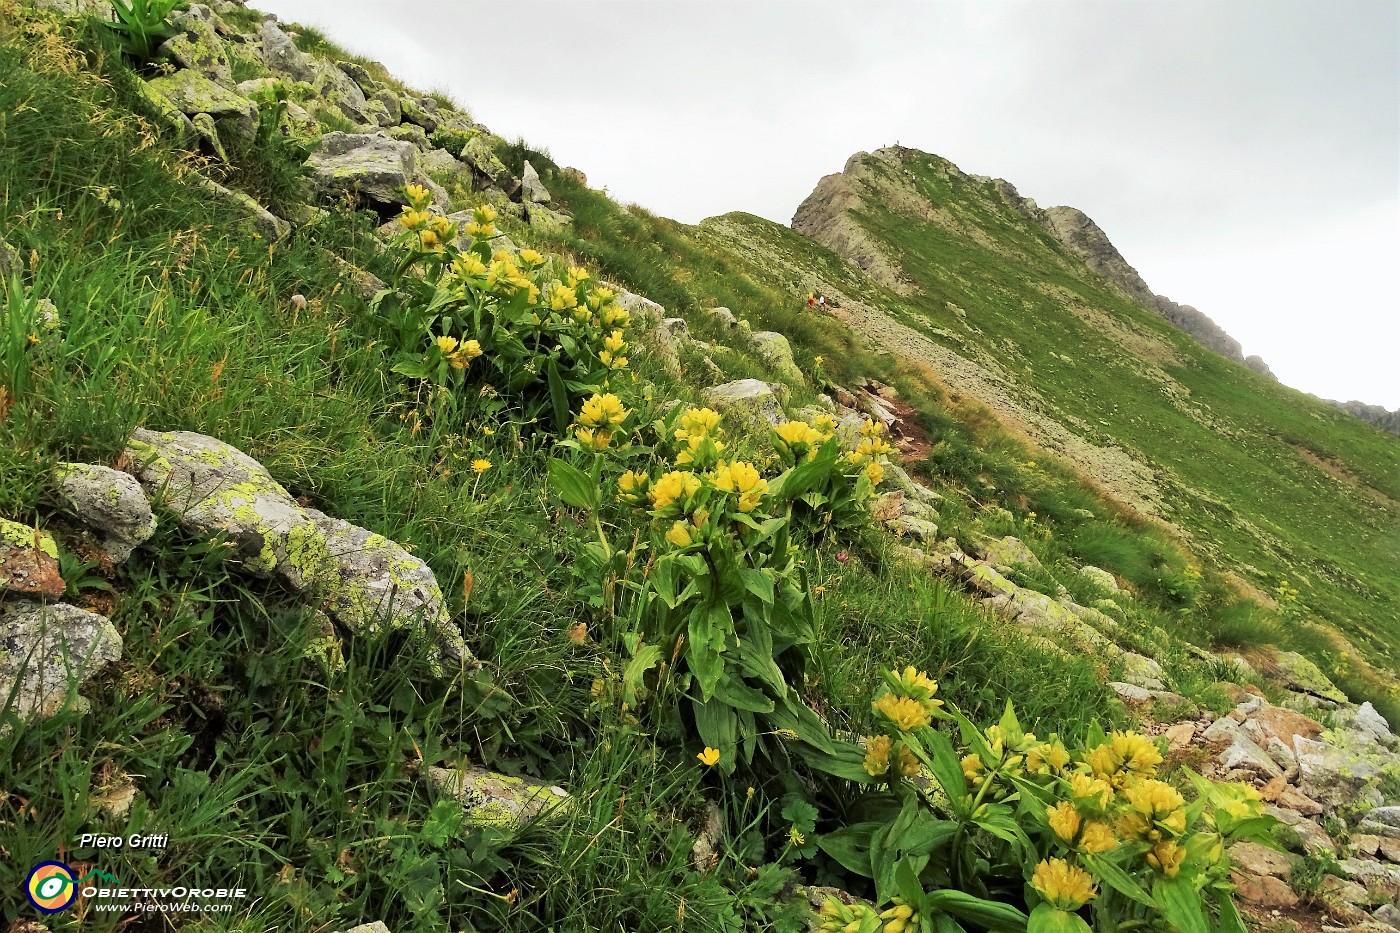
281,54
192,92
1299,674
775,350
208,130
1132,693
1331,776
1347,892
441,162
409,133
1388,914
495,800
369,165
214,490
750,401
726,317
1101,578
1256,363
109,502
48,651
377,926
531,186
393,113
483,159
917,528
1371,723
1369,872
918,492
357,73
373,583
267,223
336,88
414,112
198,48
547,221
1143,671
1241,752
1005,553
1260,860
1386,816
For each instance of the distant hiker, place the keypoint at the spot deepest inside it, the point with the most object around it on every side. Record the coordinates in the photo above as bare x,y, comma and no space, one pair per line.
822,301
811,300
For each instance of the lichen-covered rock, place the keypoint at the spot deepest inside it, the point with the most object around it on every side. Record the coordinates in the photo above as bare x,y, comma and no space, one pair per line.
198,48
497,800
531,186
917,492
9,262
1143,671
193,93
264,221
375,927
1369,723
1299,674
644,311
335,88
28,562
1331,776
281,54
917,528
1007,552
373,583
547,221
775,350
482,158
725,317
441,162
47,651
748,401
109,502
212,489
414,112
407,132
365,164
1099,577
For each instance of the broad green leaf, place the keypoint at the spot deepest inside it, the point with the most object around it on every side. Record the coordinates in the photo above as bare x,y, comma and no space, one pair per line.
574,486
1116,878
993,915
1048,919
1180,903
850,846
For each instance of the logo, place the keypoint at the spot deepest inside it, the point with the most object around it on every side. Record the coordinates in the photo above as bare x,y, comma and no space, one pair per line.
51,887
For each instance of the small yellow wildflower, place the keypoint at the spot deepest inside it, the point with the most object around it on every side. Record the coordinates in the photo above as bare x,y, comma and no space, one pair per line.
795,837
709,757
1083,787
480,465
877,755
875,473
1064,819
675,486
906,714
1065,886
679,535
418,196
1123,756
973,770
447,344
1166,856
602,410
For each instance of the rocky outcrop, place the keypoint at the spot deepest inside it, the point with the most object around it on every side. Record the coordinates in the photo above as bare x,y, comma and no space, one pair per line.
825,216
1086,240
364,165
1382,418
750,401
534,190
1256,363
110,504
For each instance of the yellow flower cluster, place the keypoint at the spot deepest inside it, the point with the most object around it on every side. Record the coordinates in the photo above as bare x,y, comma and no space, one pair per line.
880,755
1063,885
698,436
1125,756
458,353
598,419
745,480
908,702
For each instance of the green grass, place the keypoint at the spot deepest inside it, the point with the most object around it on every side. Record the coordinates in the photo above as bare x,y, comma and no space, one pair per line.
301,783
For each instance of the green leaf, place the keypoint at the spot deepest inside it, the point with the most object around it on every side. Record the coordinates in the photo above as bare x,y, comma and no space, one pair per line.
1180,903
993,915
943,761
850,846
740,695
1119,880
1049,919
558,396
646,658
574,486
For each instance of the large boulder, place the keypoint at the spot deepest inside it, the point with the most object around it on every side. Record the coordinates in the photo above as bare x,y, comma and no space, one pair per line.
531,187
374,583
192,92
1300,675
775,350
1099,577
264,221
1008,552
751,402
214,490
281,54
483,159
496,800
110,503
47,652
28,562
1333,777
366,165
198,48
441,162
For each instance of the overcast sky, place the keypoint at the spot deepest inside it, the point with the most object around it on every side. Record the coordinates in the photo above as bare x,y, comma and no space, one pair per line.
1244,156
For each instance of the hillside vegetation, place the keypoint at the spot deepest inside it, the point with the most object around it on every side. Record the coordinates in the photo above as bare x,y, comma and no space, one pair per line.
688,648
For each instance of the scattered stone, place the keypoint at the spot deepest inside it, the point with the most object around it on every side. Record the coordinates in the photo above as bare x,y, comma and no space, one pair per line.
1143,671
28,562
547,221
917,528
264,221
1389,849
281,54
372,583
1132,693
1005,553
191,92
1313,837
483,159
414,112
369,165
1344,891
1388,914
1282,723
704,855
1264,891
377,926
409,133
1257,859
1299,674
575,175
497,800
109,502
441,162
1369,872
1295,799
1332,777
1101,578
1365,844
215,490
1240,751
531,186
49,650
773,348
901,480
1179,736
749,401
725,317
1371,723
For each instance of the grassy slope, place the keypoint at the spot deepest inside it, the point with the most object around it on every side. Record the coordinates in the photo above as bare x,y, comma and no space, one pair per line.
260,766
1333,539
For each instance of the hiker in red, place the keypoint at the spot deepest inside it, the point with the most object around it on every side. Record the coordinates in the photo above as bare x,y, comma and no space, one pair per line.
811,301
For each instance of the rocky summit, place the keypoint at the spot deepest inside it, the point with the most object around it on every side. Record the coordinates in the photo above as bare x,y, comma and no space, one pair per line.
403,533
